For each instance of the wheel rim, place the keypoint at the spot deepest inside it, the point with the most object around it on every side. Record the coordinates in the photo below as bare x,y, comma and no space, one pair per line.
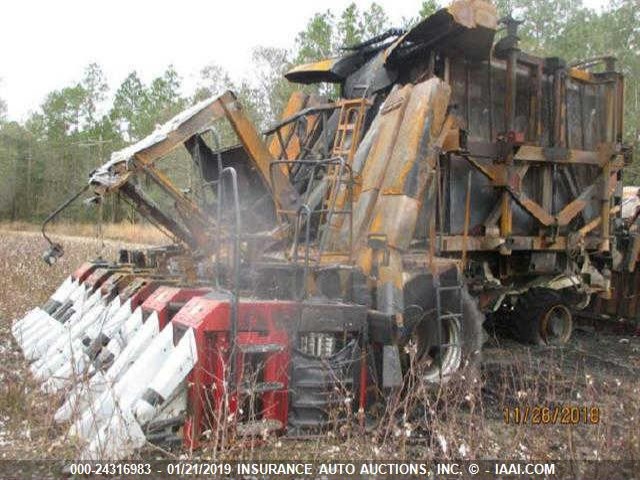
437,363
556,325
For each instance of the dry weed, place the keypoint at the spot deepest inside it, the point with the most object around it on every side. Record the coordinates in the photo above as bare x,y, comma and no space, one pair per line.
463,419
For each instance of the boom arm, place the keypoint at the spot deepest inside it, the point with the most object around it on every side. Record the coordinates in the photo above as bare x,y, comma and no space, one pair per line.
142,156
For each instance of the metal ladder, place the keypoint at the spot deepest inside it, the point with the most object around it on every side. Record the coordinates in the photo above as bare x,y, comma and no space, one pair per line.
350,122
440,316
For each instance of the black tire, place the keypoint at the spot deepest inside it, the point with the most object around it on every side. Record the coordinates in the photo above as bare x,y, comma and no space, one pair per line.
542,317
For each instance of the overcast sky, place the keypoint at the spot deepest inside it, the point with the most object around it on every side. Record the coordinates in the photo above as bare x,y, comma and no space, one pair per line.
45,45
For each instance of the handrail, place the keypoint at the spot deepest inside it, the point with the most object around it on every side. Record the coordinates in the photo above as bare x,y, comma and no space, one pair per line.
316,164
302,113
306,210
235,290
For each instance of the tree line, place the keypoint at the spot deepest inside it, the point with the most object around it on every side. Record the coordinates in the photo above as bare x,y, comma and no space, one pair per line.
48,156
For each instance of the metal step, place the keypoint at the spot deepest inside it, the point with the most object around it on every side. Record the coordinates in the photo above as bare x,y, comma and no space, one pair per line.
259,427
457,287
321,404
260,348
260,387
308,423
323,383
450,288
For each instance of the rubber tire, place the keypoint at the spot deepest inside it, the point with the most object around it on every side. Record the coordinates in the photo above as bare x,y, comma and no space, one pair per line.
529,311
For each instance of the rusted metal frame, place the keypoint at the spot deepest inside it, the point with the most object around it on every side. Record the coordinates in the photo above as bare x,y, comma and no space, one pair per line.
583,135
558,133
565,110
510,89
303,209
305,144
145,159
285,196
493,217
467,99
583,76
324,134
186,130
162,228
506,211
573,208
547,187
533,208
453,243
529,59
605,207
481,149
538,212
446,76
586,76
448,125
148,209
302,113
612,101
283,145
315,165
620,132
182,201
531,153
535,103
561,109
554,128
536,65
490,84
439,201
193,217
467,219
305,147
570,183
492,172
620,107
595,223
498,175
291,132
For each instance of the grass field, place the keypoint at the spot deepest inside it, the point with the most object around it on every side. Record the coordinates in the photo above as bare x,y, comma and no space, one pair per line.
128,232
462,420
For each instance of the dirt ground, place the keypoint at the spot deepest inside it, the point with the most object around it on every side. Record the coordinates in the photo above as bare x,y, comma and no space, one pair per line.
597,375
